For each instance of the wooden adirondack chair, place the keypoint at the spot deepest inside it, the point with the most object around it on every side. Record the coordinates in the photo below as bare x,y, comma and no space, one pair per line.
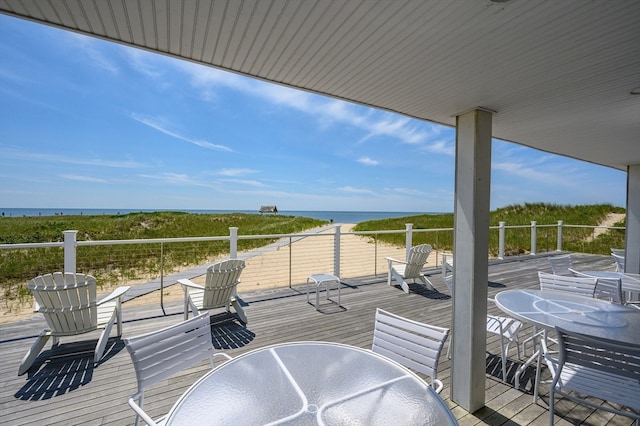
219,289
411,269
68,303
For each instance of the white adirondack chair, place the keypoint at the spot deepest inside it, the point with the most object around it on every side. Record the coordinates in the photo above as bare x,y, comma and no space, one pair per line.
411,343
219,289
162,353
596,367
560,265
68,303
411,269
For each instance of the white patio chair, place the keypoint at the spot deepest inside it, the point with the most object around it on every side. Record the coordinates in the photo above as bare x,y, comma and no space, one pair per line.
411,343
585,286
595,367
607,288
506,328
560,264
447,264
619,262
617,251
161,354
68,303
219,289
411,269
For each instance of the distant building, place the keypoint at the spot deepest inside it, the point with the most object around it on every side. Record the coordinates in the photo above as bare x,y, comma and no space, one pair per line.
268,209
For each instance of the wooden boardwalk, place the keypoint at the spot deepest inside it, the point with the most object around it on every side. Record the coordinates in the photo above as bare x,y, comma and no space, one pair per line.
65,388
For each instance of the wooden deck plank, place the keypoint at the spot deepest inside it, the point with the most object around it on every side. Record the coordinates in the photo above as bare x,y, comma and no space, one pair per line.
65,388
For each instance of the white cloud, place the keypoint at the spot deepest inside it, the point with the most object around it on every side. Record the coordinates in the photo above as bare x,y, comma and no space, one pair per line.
368,161
55,158
245,182
326,110
83,178
441,147
157,124
142,62
352,190
236,172
91,48
179,179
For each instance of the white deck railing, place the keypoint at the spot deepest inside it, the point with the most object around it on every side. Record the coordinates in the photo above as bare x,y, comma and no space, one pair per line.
323,252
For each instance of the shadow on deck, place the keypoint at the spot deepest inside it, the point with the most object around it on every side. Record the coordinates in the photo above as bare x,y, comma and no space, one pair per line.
64,387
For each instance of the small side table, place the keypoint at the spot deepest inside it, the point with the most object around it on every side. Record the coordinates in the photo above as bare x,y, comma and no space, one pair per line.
318,280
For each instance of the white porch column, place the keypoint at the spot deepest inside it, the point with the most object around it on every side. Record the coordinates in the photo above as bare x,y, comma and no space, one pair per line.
632,249
471,243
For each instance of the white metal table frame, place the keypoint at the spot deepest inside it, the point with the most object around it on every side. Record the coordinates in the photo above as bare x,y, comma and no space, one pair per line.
548,309
380,379
318,280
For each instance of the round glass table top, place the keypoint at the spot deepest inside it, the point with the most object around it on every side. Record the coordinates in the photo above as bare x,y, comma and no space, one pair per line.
572,312
309,383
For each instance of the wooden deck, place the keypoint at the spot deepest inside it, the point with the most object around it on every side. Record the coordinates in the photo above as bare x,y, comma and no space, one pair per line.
65,388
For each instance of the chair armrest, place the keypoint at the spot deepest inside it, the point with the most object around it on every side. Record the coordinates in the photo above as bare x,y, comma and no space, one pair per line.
437,385
139,411
188,283
118,292
222,354
392,260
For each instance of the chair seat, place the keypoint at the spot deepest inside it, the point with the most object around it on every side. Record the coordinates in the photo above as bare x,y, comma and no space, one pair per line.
599,384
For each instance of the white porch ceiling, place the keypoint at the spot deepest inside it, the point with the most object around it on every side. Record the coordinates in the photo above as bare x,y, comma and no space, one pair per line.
558,73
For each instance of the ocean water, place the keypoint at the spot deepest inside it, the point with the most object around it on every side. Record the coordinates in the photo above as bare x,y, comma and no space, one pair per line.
335,216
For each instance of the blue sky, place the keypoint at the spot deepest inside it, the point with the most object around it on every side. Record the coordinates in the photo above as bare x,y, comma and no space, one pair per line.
91,124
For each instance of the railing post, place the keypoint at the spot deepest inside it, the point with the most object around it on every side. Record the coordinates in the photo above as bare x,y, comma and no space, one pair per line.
336,251
559,236
162,276
409,238
534,237
70,251
501,240
233,242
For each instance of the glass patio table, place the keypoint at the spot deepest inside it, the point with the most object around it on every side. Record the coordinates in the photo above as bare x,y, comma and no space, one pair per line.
580,314
309,383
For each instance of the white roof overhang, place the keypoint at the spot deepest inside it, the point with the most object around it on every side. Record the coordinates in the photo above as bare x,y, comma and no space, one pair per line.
558,74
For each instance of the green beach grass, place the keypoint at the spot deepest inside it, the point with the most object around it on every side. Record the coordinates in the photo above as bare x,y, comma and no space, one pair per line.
117,264
516,241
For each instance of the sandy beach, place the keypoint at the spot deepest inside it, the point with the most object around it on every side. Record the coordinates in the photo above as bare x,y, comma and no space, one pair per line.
271,269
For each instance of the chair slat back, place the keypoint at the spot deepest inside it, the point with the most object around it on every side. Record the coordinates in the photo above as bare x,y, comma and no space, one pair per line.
162,353
67,301
619,262
418,256
221,282
611,289
613,368
607,288
410,343
585,286
560,265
